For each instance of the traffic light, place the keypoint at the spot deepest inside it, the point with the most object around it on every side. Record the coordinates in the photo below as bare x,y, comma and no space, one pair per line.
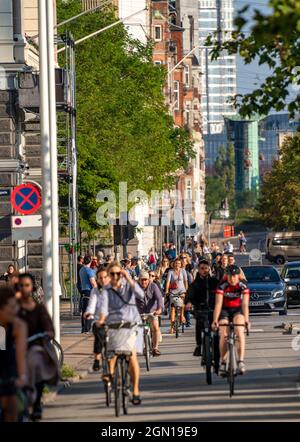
117,234
123,234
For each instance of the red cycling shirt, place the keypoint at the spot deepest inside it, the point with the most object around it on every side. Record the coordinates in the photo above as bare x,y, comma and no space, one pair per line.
232,294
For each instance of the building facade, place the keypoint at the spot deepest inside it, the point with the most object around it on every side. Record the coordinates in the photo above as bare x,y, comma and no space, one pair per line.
219,76
272,131
243,133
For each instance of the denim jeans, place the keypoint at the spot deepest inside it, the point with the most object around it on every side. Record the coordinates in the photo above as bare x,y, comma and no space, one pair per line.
84,301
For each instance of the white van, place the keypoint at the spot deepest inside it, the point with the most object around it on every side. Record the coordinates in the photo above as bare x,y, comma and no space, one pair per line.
283,246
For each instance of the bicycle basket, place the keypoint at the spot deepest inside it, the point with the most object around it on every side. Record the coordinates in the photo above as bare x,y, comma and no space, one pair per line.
122,340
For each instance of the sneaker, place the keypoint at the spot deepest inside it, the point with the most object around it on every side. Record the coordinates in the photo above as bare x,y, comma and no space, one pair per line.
188,325
242,367
197,351
37,413
222,370
96,365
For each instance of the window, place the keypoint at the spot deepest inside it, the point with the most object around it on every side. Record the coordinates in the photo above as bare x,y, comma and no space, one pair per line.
157,33
176,95
186,75
158,62
188,189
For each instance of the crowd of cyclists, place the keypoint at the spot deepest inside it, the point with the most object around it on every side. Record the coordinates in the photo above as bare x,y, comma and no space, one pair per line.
116,294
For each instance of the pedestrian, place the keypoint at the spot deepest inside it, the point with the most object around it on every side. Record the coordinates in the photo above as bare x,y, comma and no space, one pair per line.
88,282
242,242
80,259
10,270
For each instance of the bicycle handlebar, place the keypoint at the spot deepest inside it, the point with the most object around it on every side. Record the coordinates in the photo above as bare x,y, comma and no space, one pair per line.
37,336
236,325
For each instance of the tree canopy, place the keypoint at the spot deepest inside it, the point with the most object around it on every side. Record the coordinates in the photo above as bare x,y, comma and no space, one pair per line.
273,41
279,202
124,130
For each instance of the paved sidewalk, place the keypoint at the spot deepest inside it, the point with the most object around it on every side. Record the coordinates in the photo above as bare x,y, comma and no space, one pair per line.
78,347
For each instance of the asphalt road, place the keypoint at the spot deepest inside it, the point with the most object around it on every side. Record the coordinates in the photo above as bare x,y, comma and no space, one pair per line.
175,389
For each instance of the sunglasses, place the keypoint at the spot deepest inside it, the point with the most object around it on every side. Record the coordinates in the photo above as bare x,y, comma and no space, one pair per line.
152,276
115,273
144,279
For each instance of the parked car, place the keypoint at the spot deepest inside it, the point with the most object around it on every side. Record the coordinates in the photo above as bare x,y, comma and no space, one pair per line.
267,290
283,246
291,275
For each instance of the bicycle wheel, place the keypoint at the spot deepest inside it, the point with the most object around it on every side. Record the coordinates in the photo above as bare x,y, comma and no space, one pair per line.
125,386
118,386
59,351
208,359
216,353
107,389
147,341
176,324
231,373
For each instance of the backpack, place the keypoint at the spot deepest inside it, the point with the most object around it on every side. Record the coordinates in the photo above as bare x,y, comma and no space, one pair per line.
151,259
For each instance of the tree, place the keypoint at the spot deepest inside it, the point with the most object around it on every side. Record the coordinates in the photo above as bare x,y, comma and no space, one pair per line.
225,170
124,131
273,41
214,193
279,202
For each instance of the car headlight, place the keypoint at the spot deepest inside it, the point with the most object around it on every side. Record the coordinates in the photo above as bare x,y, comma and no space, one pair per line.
292,287
278,294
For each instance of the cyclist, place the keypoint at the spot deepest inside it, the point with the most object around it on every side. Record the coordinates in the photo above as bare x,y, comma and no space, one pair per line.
186,265
92,311
13,335
231,262
88,282
176,285
152,303
118,304
221,269
41,369
232,304
201,295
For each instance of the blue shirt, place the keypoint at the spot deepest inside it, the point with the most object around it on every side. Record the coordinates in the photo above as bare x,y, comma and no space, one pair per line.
85,274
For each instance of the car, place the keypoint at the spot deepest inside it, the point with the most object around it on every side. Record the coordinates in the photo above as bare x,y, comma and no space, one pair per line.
291,275
267,290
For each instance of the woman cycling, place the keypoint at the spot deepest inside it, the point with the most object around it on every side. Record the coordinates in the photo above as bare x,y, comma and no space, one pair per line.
176,284
41,367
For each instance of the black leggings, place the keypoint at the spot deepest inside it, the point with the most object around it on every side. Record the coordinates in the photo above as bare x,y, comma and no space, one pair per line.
99,337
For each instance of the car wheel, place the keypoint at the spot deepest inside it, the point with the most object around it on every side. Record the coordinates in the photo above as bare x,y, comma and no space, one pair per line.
279,260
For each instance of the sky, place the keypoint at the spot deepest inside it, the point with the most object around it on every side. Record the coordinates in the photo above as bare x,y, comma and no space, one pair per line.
248,75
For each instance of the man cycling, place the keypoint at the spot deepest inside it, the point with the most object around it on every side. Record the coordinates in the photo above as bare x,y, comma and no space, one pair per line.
201,294
92,311
232,304
152,303
118,305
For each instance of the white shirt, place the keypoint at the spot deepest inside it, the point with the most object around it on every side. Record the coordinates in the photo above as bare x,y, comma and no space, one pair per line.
94,304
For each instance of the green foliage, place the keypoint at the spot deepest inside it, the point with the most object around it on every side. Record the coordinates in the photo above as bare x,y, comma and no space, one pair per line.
214,194
67,372
279,202
246,199
124,131
273,41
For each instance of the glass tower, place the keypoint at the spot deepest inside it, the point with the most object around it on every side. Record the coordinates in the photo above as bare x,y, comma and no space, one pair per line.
219,76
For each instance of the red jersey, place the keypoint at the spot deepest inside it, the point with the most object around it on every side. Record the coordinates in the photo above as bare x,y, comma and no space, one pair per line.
232,294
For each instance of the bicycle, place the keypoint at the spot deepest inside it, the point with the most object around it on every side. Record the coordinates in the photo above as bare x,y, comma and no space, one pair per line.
176,302
231,361
121,380
210,345
57,347
147,337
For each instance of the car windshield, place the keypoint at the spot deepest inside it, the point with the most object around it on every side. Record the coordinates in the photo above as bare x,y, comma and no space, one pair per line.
292,272
261,274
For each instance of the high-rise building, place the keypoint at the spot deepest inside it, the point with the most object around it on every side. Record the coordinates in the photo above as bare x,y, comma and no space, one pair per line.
219,76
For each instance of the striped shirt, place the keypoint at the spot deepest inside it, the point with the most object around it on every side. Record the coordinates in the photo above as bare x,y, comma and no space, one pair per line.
232,294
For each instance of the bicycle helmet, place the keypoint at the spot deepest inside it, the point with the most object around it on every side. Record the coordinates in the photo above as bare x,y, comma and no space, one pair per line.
233,270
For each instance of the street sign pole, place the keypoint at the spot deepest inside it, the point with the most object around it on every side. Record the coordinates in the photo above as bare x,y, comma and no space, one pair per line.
54,178
46,160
